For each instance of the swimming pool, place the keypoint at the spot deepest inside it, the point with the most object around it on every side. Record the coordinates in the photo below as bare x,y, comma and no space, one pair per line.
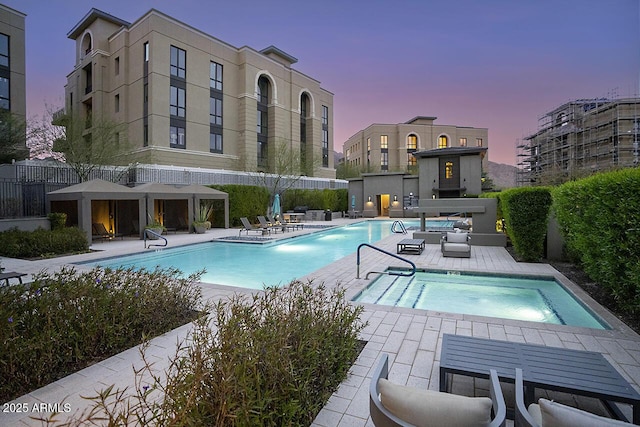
538,299
251,265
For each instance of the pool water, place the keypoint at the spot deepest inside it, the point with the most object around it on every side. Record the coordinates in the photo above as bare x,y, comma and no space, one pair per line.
535,299
251,265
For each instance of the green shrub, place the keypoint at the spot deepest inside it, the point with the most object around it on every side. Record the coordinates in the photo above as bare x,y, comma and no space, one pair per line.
332,199
16,243
244,201
58,220
599,218
526,213
272,359
65,321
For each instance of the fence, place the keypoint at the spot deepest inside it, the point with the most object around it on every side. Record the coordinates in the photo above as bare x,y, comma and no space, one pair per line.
25,199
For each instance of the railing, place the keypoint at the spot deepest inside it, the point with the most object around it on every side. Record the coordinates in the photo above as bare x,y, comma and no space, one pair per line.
400,224
390,273
157,236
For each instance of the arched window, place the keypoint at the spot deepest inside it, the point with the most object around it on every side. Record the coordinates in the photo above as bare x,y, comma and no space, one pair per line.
304,112
86,44
443,141
412,142
264,91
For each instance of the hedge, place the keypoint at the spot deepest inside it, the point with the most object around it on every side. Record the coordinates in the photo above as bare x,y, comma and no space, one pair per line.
16,243
244,201
526,212
332,199
599,217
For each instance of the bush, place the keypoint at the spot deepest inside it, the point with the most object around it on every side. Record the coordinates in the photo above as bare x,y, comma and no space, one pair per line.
65,321
599,218
58,220
16,243
334,200
526,213
244,201
273,359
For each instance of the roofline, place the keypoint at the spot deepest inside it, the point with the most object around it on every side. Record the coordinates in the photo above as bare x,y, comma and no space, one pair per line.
12,10
420,117
279,52
91,16
438,152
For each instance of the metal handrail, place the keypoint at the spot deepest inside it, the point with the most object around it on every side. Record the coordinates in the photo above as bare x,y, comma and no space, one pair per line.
390,273
158,236
403,229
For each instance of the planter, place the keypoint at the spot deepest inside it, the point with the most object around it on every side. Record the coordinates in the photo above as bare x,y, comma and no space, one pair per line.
199,228
157,230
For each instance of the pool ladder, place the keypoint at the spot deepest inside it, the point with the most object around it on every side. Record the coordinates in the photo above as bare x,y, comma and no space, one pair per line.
400,224
389,273
157,236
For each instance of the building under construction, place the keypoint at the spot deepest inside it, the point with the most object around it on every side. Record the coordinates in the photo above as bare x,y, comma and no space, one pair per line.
579,138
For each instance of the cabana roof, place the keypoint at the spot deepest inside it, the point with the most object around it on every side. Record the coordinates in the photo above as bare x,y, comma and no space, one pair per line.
97,189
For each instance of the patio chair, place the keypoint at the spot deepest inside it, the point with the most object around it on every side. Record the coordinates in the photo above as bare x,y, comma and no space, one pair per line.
284,225
454,244
392,405
271,226
549,413
101,232
247,227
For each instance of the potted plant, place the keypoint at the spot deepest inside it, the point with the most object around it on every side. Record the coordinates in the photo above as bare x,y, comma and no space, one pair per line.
202,223
155,226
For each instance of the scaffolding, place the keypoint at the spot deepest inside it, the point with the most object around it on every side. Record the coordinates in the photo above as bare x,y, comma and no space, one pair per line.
579,138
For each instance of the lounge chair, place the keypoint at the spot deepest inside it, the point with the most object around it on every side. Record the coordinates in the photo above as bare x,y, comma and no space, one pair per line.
265,224
100,232
392,405
549,413
454,244
285,225
247,227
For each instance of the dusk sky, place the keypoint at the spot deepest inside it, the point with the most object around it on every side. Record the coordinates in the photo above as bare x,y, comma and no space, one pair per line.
496,64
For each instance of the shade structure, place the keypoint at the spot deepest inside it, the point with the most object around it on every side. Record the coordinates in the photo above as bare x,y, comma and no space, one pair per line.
276,205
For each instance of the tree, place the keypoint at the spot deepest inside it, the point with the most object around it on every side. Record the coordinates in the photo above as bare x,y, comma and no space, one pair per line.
345,170
88,145
13,137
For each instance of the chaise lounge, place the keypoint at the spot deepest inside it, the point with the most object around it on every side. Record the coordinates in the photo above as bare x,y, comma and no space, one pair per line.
247,227
456,245
392,405
101,232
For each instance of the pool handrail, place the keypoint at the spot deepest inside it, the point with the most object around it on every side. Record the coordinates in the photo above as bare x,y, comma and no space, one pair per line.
390,273
403,229
157,236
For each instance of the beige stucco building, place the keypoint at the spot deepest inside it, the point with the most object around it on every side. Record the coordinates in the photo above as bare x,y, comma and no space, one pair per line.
12,61
187,98
390,147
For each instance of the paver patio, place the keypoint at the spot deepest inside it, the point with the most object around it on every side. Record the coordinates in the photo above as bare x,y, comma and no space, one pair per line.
411,337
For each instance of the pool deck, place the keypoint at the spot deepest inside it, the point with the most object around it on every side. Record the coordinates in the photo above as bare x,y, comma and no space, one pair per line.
411,337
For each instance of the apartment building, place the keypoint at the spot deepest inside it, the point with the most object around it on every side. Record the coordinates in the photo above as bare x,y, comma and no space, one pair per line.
187,98
390,147
579,138
12,61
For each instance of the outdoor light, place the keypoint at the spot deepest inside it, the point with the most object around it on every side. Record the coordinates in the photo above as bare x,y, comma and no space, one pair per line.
433,196
395,197
369,199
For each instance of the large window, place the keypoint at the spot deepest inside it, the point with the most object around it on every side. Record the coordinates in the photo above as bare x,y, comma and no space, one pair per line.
4,93
177,105
4,50
384,161
448,170
384,141
215,112
463,142
146,52
178,62
479,142
325,136
443,141
262,122
215,76
215,143
412,142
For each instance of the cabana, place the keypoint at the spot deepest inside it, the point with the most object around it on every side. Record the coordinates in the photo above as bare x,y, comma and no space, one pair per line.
115,206
202,193
167,205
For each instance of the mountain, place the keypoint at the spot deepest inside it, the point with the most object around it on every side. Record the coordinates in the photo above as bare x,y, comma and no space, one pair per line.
503,176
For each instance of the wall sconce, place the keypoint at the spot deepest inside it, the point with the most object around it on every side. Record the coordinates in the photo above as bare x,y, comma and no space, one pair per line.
395,197
433,196
369,200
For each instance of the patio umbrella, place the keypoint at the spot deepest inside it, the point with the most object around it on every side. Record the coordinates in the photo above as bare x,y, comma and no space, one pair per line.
276,205
353,202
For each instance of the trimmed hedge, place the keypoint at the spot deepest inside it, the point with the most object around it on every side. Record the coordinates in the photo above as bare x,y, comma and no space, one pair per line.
526,212
334,200
244,201
16,243
599,217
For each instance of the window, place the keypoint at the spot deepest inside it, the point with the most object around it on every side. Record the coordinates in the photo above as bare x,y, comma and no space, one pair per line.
146,51
412,142
176,137
463,142
448,170
384,161
145,135
263,90
4,93
368,144
177,105
4,50
443,141
215,143
384,141
478,142
262,123
325,136
411,160
215,76
178,62
215,111
116,102
116,65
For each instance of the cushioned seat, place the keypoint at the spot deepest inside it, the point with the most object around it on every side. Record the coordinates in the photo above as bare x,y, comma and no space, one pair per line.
455,245
393,405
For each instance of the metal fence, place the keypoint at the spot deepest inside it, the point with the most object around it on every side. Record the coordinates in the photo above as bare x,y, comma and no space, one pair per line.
25,199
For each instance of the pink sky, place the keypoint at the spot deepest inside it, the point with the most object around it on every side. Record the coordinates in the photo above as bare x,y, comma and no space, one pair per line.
496,64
